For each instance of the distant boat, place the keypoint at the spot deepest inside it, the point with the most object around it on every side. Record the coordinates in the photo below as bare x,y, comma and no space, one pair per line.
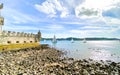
72,41
84,41
44,40
54,40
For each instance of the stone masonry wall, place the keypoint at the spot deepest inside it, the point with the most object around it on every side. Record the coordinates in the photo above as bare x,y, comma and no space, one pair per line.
8,37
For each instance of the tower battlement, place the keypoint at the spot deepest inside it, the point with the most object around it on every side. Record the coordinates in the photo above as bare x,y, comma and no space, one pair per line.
12,37
16,34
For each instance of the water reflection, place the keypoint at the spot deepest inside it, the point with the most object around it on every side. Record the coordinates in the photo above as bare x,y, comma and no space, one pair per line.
100,54
97,50
54,45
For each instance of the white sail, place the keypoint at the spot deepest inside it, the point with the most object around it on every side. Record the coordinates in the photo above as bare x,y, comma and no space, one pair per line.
54,39
72,41
84,41
44,40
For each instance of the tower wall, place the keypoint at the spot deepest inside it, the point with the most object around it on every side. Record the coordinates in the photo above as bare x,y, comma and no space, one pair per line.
9,37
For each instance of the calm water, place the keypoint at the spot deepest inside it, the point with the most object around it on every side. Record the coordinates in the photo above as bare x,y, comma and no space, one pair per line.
97,50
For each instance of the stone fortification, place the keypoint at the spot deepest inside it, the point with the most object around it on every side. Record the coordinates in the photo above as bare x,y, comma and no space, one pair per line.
9,37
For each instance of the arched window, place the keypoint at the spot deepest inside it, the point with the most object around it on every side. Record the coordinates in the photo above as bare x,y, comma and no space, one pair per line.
8,42
17,41
30,41
24,41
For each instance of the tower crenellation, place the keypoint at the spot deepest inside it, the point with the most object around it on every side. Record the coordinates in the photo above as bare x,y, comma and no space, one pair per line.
1,18
17,34
13,36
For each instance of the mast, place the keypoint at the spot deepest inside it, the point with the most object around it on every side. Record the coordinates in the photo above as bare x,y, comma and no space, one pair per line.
84,41
72,40
54,39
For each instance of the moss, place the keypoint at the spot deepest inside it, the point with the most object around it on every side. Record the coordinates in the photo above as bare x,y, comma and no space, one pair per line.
17,46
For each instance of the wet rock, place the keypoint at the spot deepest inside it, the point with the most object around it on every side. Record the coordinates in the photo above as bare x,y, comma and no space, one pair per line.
85,72
113,64
20,74
25,74
70,59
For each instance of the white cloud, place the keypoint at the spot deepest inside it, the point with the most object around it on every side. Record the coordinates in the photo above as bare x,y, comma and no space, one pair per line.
47,8
75,23
87,31
77,31
83,12
65,13
18,17
115,29
92,27
58,35
112,21
99,4
72,3
94,8
54,27
20,28
80,8
112,12
90,33
52,7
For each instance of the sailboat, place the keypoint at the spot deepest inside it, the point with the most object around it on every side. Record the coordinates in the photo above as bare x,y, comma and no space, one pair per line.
44,40
72,41
54,40
84,41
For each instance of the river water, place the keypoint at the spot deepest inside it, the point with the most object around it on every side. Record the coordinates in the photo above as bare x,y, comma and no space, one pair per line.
97,50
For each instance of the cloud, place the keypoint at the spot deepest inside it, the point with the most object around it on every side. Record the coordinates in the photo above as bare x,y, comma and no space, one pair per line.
47,8
21,28
58,35
80,8
53,27
112,21
115,29
72,23
72,3
112,12
52,8
88,32
86,12
18,17
94,8
92,27
64,13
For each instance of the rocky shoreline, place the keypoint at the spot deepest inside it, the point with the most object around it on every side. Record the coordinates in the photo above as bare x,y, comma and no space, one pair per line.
43,60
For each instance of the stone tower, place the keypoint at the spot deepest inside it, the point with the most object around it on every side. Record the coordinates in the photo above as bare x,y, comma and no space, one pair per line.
38,36
1,18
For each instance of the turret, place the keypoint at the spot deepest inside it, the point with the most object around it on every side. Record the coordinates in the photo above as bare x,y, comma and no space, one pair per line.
38,36
1,18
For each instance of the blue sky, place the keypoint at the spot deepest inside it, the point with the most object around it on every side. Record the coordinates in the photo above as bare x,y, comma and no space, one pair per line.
63,18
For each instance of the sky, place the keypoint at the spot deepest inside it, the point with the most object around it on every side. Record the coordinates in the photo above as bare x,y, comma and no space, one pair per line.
63,18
